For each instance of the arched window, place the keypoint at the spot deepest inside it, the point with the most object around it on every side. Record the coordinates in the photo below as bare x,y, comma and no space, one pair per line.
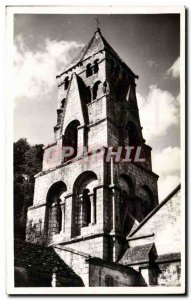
126,202
54,218
95,89
146,200
109,281
66,83
106,88
84,201
70,138
96,67
88,70
63,102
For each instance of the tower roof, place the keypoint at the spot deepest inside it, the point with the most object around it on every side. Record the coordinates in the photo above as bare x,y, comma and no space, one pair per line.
96,44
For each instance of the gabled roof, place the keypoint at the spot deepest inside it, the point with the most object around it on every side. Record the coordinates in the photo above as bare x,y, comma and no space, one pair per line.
168,257
43,260
96,44
138,254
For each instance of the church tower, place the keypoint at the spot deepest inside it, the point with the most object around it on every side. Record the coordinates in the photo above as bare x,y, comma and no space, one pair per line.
81,199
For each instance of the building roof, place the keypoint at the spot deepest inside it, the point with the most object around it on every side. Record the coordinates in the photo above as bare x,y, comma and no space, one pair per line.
168,257
138,254
43,260
96,44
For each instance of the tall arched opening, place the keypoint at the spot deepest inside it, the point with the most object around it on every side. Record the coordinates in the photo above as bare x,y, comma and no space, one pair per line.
127,195
84,200
55,218
70,139
145,196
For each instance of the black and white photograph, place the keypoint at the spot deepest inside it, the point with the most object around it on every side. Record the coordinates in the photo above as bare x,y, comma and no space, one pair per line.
97,103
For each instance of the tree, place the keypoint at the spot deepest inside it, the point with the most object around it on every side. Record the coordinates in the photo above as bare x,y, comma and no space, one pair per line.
27,163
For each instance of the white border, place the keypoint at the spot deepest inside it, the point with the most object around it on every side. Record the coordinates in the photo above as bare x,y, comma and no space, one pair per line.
111,9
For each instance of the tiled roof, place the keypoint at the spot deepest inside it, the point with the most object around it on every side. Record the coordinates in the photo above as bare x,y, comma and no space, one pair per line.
138,254
96,44
43,259
169,257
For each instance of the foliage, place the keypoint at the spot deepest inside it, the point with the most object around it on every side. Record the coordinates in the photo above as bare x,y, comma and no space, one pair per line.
27,163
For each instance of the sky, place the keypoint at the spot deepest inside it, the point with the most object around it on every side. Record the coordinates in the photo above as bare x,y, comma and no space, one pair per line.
149,44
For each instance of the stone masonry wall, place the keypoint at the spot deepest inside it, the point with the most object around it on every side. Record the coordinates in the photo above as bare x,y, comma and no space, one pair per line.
94,246
170,274
166,226
120,278
73,100
68,174
139,177
97,136
81,71
75,260
52,155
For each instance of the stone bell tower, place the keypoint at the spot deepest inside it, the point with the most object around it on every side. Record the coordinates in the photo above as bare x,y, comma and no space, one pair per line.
83,201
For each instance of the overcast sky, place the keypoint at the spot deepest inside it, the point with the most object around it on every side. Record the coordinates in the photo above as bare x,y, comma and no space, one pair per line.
150,46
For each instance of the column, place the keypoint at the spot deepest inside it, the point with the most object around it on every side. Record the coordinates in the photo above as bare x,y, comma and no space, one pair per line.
93,212
99,206
63,216
81,139
81,210
113,211
69,215
113,195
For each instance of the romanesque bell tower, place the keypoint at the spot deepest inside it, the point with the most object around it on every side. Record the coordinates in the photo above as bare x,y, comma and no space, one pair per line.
82,200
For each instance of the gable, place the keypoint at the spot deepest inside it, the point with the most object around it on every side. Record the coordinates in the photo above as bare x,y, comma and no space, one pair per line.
139,254
73,109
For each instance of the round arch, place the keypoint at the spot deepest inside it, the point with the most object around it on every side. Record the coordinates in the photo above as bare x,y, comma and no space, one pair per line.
127,196
54,217
126,181
55,191
96,89
83,180
89,71
96,66
70,138
146,197
109,281
84,200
